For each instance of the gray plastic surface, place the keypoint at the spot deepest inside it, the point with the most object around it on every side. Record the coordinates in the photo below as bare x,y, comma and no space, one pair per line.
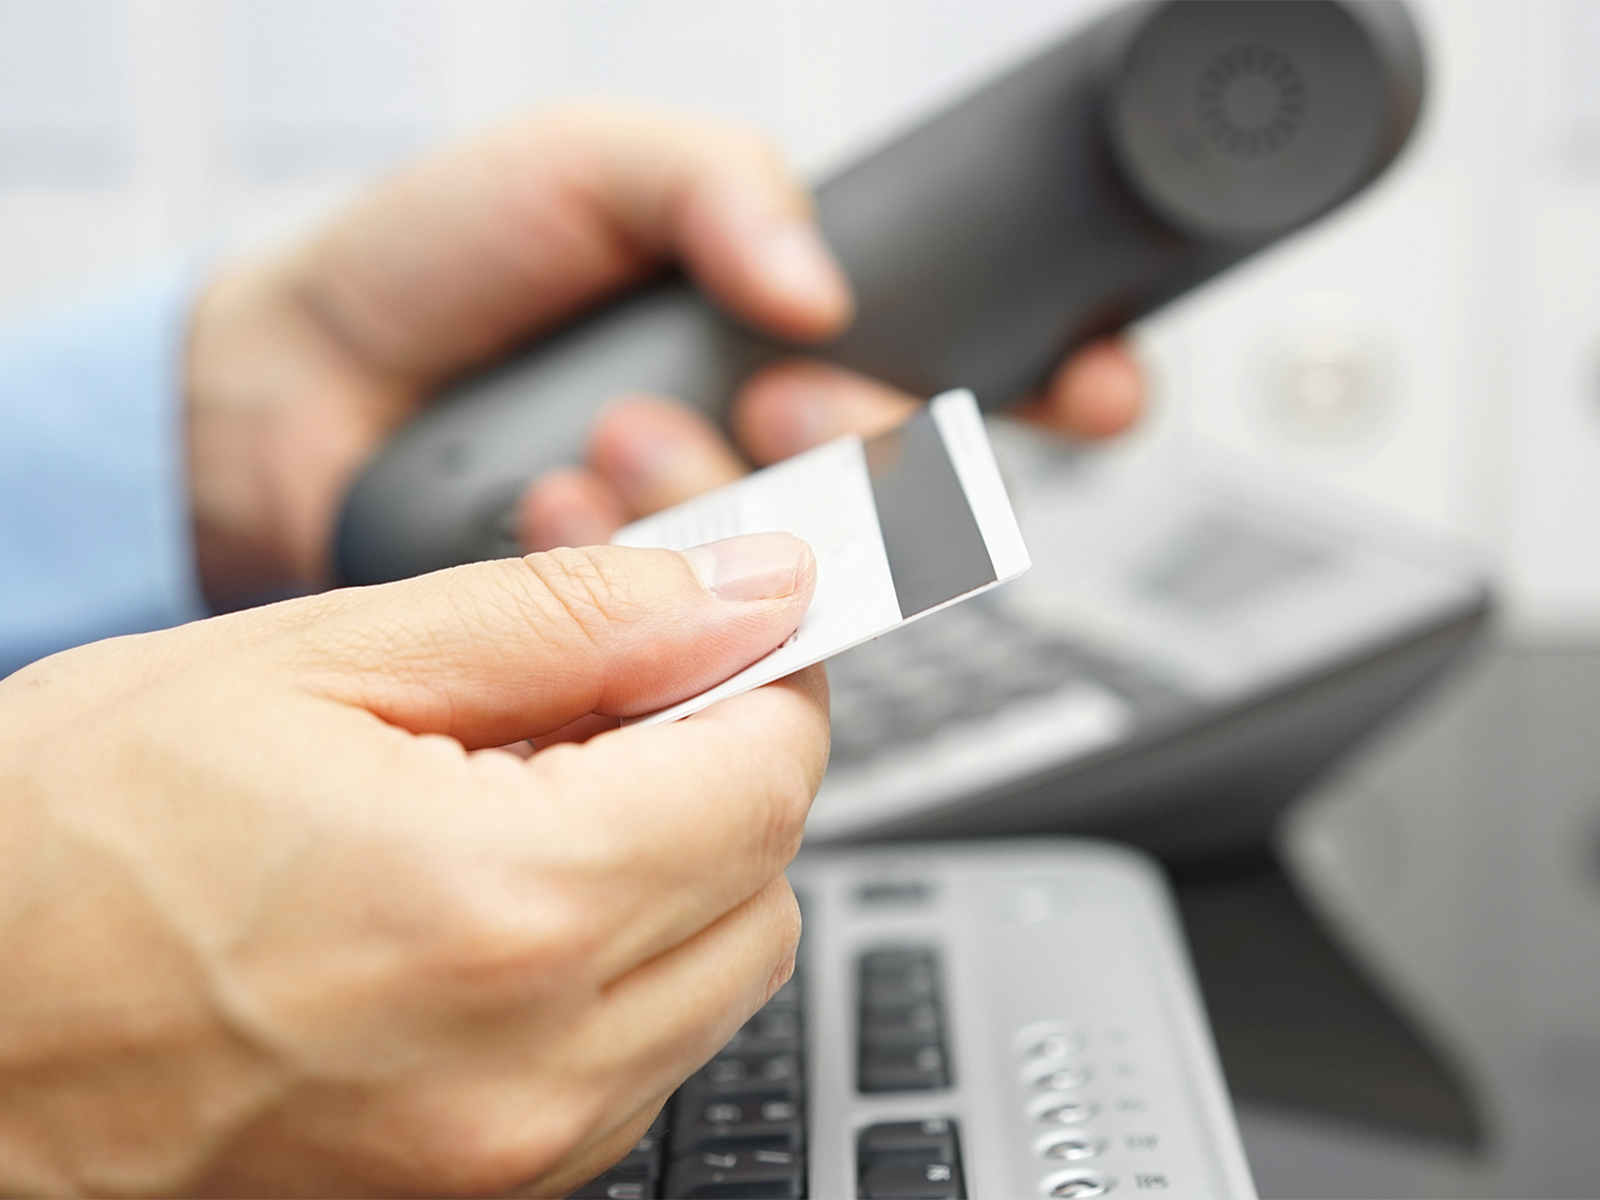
1299,105
1044,935
1051,206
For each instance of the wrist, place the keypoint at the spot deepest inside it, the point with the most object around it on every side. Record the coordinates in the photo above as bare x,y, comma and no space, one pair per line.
279,417
236,549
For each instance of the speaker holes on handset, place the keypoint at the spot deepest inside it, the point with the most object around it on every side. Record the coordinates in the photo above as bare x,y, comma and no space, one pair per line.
1251,102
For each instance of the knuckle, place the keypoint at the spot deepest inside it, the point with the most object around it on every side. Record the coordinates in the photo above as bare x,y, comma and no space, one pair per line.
786,917
471,1148
787,801
580,591
492,941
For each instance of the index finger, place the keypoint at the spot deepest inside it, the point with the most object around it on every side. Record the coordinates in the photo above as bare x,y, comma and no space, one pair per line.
688,820
1096,393
801,403
651,833
482,245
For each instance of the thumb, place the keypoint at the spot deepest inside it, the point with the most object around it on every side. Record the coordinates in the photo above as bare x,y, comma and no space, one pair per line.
495,652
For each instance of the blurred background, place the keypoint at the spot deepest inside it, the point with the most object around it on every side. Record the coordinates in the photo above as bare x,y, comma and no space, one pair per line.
1431,352
1433,349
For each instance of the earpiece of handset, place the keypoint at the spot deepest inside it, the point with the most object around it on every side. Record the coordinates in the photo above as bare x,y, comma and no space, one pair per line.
1111,172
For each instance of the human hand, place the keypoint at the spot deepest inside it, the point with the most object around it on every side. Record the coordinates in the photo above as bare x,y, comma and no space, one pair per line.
278,920
301,364
647,453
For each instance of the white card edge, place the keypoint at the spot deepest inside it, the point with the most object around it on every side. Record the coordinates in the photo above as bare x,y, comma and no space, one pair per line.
960,424
966,439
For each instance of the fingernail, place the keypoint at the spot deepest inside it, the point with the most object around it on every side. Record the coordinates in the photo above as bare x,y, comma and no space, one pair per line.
794,258
757,566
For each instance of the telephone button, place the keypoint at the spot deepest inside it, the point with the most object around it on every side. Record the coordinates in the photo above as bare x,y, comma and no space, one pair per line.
1077,1185
1072,1147
1048,1039
1049,1075
1062,1110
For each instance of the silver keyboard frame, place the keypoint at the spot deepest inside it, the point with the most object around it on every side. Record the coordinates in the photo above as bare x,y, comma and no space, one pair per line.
1069,931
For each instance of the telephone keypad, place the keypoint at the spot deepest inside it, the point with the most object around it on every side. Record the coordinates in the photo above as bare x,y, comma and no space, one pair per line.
1059,1059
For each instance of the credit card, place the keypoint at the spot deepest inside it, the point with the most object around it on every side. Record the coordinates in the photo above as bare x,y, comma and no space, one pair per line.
904,523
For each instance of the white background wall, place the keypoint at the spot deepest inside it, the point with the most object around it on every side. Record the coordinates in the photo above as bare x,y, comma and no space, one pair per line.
1434,349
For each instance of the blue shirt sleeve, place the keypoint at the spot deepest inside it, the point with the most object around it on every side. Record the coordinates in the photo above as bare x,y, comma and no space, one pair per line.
95,535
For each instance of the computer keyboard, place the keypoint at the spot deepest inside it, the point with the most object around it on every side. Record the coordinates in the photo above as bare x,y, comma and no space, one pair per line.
736,1127
1000,1019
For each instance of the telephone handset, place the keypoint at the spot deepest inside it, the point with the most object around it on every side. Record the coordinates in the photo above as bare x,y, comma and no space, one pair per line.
1110,173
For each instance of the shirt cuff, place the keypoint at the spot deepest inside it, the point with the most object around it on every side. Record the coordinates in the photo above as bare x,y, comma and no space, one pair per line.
95,536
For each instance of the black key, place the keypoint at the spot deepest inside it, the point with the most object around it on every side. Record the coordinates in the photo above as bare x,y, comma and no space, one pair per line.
767,1033
707,1119
612,1187
768,1150
727,1071
910,1159
900,1024
893,893
754,1171
605,1188
778,1070
900,980
746,1072
933,1181
907,1143
901,1046
636,1166
771,1025
655,1136
786,998
894,962
636,1177
910,1068
775,1077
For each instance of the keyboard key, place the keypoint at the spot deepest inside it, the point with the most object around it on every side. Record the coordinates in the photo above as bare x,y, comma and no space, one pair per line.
891,978
767,1033
786,998
718,1120
635,1166
738,1172
901,1030
607,1188
911,1068
637,1176
775,1026
907,1143
895,961
726,1071
900,1024
743,1072
893,893
935,1181
634,1178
